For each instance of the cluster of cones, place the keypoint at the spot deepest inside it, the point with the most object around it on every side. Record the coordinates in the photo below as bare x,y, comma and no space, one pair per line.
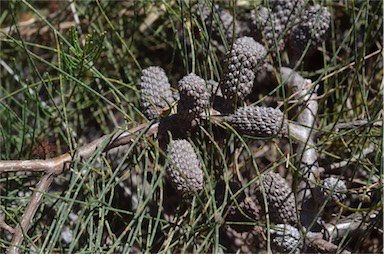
196,99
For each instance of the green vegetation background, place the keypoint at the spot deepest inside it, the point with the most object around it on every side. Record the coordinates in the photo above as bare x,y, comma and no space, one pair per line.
65,83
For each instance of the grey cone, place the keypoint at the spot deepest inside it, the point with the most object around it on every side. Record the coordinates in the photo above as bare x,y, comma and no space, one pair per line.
258,121
312,29
155,91
266,28
218,20
273,25
286,239
287,11
184,169
330,191
246,207
245,60
280,199
243,210
194,97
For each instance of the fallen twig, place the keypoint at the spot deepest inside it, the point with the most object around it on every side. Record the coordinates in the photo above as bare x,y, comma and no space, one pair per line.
56,166
5,226
322,246
356,221
30,211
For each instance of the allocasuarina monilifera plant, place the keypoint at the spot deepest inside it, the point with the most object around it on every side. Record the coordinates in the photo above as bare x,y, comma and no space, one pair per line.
245,61
188,128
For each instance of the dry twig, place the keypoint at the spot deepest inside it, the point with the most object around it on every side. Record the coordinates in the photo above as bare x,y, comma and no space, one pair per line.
58,165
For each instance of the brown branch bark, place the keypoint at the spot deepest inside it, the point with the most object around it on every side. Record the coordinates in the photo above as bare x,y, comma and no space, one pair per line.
30,211
5,226
334,232
56,166
318,244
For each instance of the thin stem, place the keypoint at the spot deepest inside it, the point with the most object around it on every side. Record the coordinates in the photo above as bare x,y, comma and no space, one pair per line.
30,211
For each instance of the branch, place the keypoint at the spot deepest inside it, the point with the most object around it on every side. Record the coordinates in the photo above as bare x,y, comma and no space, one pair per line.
30,211
305,93
56,166
322,246
5,226
352,223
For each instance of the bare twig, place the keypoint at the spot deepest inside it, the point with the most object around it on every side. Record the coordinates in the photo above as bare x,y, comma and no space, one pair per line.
354,158
5,226
33,204
152,17
26,30
323,246
356,221
350,65
10,29
346,126
55,166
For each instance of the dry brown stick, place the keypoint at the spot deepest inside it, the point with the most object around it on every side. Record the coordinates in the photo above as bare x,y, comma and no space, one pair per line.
56,166
357,221
5,226
33,204
322,246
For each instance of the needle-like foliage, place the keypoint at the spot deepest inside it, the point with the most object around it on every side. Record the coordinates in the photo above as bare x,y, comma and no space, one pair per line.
277,96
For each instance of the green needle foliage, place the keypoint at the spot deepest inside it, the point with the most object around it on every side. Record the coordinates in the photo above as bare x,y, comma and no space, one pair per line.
70,73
